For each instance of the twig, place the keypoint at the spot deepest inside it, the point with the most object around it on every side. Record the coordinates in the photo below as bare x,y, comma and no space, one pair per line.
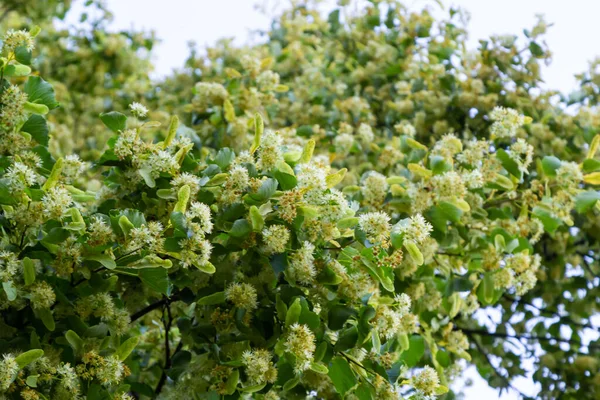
154,306
526,337
489,361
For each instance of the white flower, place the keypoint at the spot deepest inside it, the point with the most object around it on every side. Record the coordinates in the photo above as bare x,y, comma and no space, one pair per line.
243,295
8,371
365,133
69,378
56,202
506,122
311,176
376,225
20,176
138,110
301,343
202,212
415,229
14,39
427,381
301,266
275,238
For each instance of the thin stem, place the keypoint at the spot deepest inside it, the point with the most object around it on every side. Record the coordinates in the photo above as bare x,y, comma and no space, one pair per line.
6,12
551,312
526,337
154,306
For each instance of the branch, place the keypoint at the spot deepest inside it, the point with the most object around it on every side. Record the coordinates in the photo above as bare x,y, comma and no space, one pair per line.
551,312
154,306
481,349
168,356
526,337
6,12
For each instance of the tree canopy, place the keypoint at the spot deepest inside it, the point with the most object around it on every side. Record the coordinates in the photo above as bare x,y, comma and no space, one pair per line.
358,207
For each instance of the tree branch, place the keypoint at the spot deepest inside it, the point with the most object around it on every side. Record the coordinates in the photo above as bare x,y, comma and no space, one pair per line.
154,306
481,349
526,337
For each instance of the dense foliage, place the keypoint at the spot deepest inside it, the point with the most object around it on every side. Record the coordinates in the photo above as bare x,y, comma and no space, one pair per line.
334,212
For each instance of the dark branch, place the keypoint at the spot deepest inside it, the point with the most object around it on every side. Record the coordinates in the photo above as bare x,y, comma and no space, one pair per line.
526,337
489,361
154,306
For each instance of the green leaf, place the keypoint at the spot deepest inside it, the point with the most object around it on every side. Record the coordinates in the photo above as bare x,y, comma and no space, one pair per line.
207,268
443,358
232,382
97,392
28,271
459,284
74,340
267,189
414,252
38,129
334,20
240,228
34,108
6,196
590,165
509,163
224,157
104,259
287,181
155,278
10,290
293,314
305,130
586,201
415,351
347,339
341,375
253,388
40,92
292,383
115,121
319,368
338,315
16,70
550,164
28,357
550,222
22,55
451,211
179,221
127,347
486,289
347,223
125,225
259,127
257,219
212,299
438,165
146,174
47,318
441,389
31,380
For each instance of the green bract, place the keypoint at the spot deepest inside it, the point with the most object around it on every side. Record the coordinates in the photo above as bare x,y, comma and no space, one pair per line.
324,212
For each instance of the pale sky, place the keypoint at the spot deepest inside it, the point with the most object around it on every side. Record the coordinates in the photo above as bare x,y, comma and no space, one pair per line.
573,41
573,38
